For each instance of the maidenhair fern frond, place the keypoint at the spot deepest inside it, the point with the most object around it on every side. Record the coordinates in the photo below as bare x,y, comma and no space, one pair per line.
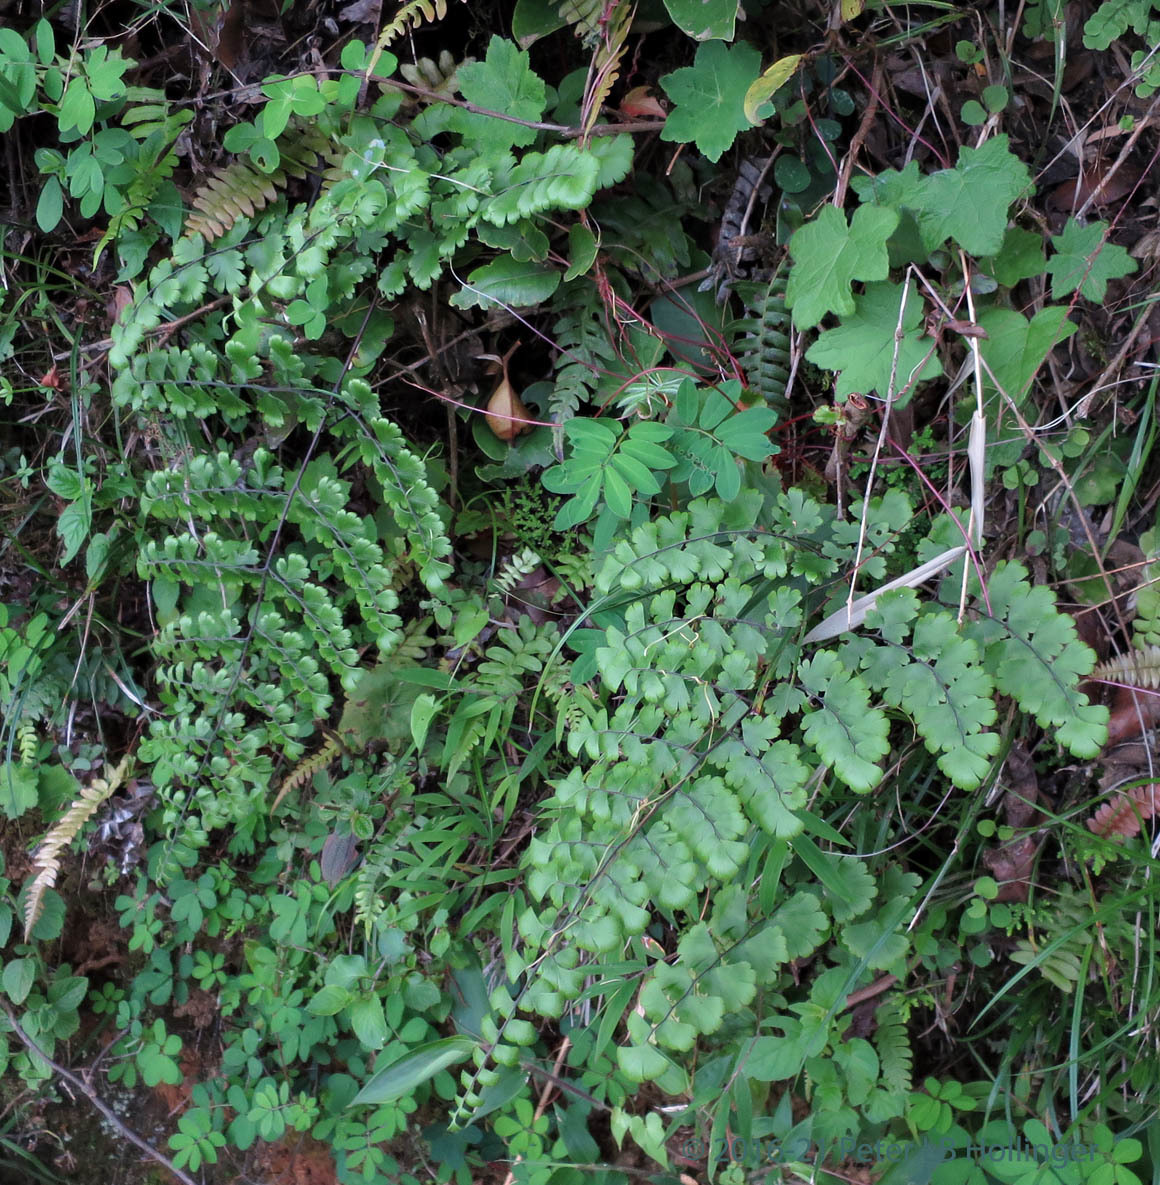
46,862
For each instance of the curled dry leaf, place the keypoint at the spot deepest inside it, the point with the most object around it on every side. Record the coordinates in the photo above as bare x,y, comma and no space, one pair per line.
506,414
1101,186
641,103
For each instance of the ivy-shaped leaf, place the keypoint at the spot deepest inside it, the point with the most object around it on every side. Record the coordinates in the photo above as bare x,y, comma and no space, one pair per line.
830,255
1014,349
709,97
1083,259
1019,258
969,203
862,348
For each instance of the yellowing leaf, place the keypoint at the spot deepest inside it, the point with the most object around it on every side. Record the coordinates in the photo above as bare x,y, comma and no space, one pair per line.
770,82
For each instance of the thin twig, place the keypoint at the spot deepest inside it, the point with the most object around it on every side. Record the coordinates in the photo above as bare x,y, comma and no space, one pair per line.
165,327
876,80
110,1115
1120,160
569,133
888,403
565,1045
1083,408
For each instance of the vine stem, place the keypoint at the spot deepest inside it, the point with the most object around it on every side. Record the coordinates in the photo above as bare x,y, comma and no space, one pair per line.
569,133
106,343
85,1089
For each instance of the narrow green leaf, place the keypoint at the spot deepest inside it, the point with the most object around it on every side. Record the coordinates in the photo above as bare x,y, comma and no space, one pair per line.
400,1078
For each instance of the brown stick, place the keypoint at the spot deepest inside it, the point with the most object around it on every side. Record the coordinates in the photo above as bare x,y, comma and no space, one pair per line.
93,1098
876,80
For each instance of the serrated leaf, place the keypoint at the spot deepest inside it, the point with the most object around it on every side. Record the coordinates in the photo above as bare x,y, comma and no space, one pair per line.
876,942
503,82
802,922
368,1022
613,156
73,526
65,482
1083,259
862,348
774,1059
641,1063
846,732
969,203
564,177
509,283
829,256
1019,258
18,978
329,1000
709,97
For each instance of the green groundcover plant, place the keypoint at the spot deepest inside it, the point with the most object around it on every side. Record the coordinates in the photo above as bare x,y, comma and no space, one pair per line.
645,877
